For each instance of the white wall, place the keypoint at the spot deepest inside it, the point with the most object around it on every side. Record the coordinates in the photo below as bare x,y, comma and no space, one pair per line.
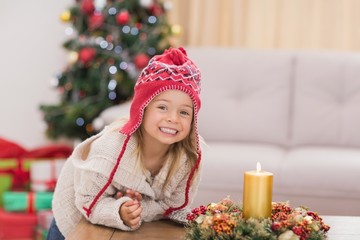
31,35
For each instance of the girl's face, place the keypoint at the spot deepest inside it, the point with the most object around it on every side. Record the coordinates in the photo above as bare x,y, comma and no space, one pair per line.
168,118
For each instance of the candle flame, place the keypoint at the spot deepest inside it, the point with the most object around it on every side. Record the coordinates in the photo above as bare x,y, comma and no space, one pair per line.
258,167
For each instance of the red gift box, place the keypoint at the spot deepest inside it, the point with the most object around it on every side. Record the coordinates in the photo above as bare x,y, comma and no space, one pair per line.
17,225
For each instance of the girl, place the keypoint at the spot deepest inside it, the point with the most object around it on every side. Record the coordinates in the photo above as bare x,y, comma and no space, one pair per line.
152,159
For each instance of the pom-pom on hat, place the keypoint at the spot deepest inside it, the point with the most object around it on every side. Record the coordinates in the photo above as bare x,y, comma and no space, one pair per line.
172,70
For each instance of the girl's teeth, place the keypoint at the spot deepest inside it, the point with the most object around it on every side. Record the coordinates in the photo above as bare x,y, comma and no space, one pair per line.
168,130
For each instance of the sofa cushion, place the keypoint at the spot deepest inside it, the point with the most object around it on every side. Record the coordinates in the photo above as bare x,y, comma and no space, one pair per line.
326,99
318,172
253,91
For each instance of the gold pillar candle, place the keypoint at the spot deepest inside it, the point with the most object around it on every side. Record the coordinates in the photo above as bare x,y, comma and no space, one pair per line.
257,197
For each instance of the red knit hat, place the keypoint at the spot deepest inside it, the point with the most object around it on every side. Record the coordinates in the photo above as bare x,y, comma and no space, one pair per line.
172,70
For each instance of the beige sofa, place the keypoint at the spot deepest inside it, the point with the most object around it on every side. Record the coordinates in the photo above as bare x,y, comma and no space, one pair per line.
295,112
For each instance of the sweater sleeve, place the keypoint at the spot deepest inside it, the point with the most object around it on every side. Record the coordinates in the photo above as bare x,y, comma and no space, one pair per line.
106,210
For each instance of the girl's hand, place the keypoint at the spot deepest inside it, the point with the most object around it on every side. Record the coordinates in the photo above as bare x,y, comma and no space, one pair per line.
133,194
130,213
129,193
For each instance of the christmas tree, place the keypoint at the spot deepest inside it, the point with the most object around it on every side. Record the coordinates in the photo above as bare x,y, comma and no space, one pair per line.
113,41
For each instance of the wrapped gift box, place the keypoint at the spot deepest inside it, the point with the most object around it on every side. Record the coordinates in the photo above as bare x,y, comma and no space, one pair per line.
44,174
17,225
27,201
14,175
15,163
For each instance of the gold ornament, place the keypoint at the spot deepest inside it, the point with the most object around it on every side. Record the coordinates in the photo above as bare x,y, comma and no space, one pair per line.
176,29
65,16
68,86
73,57
89,128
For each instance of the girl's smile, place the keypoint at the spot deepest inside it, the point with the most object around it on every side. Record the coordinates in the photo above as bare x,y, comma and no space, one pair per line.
168,130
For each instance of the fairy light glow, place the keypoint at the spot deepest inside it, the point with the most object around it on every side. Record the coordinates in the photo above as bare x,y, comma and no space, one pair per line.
118,49
80,121
112,11
134,31
152,19
110,46
123,65
104,44
112,69
112,95
112,84
69,31
126,29
151,51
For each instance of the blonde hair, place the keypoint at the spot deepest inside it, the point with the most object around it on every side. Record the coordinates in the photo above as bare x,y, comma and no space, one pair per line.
187,146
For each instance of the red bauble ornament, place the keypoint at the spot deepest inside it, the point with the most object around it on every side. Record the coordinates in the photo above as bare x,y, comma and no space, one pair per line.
138,25
86,55
82,94
109,38
111,61
123,17
95,21
156,10
87,7
141,60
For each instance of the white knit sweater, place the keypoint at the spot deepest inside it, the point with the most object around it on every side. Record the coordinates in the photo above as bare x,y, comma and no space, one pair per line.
87,170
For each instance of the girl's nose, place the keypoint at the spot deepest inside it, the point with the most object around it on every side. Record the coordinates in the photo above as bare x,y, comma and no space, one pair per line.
172,117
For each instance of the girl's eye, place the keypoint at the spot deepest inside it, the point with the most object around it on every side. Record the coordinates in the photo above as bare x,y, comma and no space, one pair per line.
185,113
162,107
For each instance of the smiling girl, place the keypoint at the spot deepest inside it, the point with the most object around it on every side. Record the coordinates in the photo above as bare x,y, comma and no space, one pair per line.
142,169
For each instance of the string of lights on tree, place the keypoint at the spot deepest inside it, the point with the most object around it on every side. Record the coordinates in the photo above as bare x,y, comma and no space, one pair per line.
110,41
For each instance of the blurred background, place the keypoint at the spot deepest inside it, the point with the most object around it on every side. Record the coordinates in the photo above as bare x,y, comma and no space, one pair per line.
32,35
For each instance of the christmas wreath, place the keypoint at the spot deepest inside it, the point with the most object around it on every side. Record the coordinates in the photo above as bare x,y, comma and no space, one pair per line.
224,221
